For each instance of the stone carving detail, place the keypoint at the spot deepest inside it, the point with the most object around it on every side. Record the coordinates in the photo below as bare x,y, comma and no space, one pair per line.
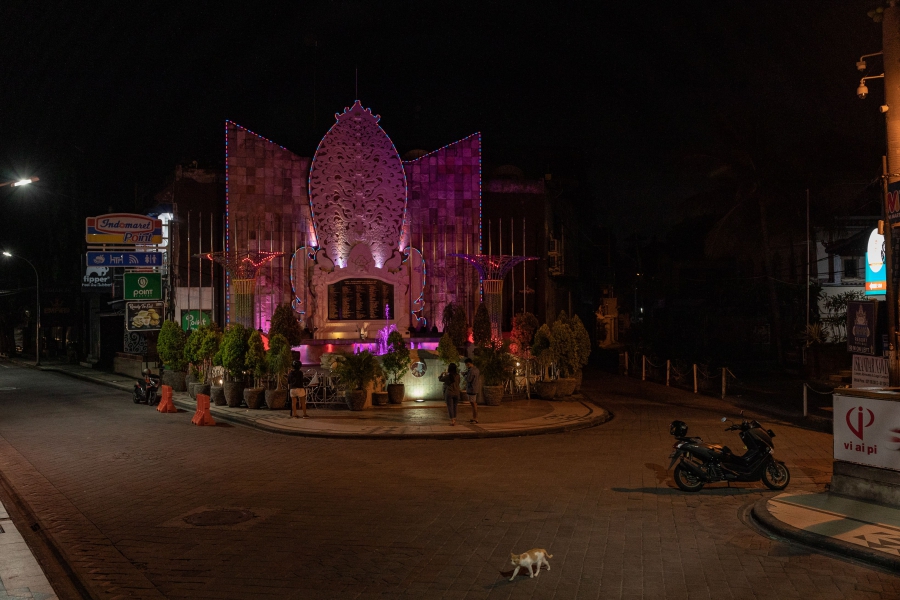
357,188
135,343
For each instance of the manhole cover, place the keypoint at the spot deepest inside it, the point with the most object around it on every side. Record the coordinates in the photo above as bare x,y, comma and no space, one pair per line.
223,516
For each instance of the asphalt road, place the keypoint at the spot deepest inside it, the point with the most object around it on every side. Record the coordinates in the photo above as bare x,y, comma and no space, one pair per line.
108,484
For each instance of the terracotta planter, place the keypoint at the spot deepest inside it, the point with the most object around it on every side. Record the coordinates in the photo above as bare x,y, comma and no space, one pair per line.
396,393
253,397
545,389
234,393
380,398
565,386
579,376
276,399
357,399
217,395
175,379
493,394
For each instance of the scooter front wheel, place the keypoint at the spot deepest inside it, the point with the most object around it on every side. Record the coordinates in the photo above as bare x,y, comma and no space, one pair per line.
686,480
136,397
776,476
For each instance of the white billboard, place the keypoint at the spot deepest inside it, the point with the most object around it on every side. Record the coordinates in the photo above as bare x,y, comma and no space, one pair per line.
870,372
867,431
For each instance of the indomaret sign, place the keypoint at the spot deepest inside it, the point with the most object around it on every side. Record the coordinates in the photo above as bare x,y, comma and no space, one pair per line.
123,228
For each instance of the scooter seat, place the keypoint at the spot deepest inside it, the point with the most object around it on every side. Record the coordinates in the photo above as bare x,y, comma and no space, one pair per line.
720,448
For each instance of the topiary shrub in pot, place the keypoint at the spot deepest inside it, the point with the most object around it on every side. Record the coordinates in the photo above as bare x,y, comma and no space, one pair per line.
543,351
495,363
278,359
255,364
395,364
356,372
232,356
170,347
582,348
562,342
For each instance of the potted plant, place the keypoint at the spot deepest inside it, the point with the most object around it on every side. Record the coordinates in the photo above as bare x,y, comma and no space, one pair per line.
481,327
494,362
200,349
562,342
232,356
356,372
447,351
542,349
284,322
380,394
255,364
582,348
454,322
278,359
395,364
170,347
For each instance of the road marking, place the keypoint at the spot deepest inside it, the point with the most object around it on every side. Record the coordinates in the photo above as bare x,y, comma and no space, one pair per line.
20,574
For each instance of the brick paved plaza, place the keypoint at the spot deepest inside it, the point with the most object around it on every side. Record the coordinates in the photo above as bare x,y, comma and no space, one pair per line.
110,483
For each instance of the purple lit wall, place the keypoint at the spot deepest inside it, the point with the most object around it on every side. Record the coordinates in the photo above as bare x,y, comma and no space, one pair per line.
267,208
444,217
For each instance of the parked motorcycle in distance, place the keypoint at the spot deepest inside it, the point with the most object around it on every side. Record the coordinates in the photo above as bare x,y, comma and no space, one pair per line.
147,390
700,463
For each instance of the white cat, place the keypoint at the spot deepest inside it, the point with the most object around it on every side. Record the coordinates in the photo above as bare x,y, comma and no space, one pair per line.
536,556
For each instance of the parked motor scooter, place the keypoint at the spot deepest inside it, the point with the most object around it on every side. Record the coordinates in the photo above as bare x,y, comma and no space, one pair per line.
700,463
147,390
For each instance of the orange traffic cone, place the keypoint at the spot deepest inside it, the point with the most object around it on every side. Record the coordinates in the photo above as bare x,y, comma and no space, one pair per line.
202,416
166,405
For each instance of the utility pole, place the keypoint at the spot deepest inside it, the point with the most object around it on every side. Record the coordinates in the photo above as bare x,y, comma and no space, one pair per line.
890,35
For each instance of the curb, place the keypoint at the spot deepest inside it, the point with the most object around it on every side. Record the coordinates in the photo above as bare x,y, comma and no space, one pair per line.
602,416
762,517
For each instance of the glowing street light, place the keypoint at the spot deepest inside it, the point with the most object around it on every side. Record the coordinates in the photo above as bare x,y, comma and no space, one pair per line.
19,183
37,332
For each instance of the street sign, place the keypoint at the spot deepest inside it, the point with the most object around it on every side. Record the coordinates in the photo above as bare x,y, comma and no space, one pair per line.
125,259
861,326
123,228
876,272
192,319
142,286
96,279
144,316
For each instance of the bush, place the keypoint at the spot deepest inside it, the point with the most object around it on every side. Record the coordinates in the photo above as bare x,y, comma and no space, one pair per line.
357,370
524,326
170,346
481,327
278,359
255,361
454,323
541,348
582,341
494,361
200,349
233,351
284,322
396,361
447,351
562,344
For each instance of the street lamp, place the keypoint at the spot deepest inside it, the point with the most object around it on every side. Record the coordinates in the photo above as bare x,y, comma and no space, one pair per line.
20,182
37,333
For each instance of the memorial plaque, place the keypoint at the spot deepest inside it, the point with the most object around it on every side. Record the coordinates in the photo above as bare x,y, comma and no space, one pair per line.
360,300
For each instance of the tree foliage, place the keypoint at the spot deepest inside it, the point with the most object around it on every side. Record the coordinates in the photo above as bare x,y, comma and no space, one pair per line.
284,322
255,361
396,361
278,358
524,326
582,341
563,346
201,347
170,346
233,351
494,361
447,351
454,323
481,327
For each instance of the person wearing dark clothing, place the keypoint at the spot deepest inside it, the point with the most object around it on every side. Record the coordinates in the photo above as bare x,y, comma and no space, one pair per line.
450,379
297,391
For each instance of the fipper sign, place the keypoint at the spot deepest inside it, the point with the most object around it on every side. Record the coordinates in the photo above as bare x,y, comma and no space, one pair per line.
123,228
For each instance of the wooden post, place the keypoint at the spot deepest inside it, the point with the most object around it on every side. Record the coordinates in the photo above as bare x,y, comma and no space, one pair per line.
723,382
695,378
805,405
626,362
643,367
668,371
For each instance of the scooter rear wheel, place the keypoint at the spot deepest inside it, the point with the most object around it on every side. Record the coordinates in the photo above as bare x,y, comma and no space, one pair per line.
686,480
776,476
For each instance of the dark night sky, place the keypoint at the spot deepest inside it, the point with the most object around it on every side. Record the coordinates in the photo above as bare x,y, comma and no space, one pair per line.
100,98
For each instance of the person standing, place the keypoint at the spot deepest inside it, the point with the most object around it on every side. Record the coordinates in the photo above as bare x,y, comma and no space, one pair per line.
297,391
473,387
450,379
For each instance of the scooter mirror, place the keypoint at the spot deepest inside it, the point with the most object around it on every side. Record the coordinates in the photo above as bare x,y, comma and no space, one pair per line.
724,419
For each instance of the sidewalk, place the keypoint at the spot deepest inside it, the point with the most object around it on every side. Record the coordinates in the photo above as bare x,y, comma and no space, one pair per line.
410,420
866,531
